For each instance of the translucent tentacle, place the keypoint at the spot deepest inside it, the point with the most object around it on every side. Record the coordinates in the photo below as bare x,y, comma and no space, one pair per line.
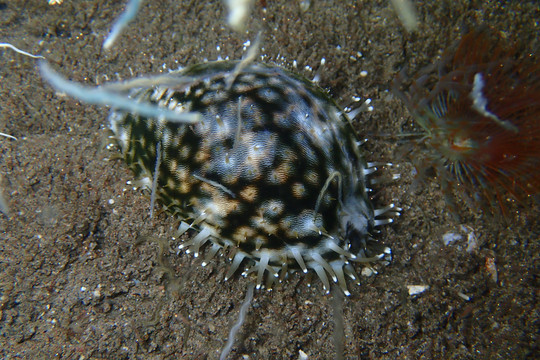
235,264
337,266
262,265
299,259
322,275
211,253
319,259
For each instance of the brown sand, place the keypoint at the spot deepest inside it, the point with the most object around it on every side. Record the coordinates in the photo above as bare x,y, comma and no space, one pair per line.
82,277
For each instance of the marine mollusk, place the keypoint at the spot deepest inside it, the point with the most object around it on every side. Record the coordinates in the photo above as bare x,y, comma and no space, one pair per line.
480,106
273,168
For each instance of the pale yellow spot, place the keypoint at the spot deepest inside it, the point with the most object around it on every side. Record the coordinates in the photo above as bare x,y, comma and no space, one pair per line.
221,206
289,154
260,222
243,233
184,152
298,190
184,187
230,178
311,177
281,173
181,173
249,193
173,164
202,156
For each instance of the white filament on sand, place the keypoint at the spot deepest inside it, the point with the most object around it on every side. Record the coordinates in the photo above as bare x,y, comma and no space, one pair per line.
407,14
132,8
241,318
8,136
100,96
17,50
238,13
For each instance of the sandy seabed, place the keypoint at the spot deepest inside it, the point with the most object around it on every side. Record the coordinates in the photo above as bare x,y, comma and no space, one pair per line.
86,274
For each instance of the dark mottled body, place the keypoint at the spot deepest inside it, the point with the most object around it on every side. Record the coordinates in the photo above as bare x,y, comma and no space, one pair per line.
273,169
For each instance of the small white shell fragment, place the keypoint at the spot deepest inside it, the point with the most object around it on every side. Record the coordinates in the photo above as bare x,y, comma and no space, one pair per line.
304,5
302,355
472,242
417,289
450,237
238,12
407,14
464,296
367,272
465,231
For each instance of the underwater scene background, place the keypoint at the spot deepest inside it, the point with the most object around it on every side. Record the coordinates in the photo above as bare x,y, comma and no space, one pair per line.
85,273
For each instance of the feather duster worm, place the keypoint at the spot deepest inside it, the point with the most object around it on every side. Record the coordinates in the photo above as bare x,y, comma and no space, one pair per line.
480,110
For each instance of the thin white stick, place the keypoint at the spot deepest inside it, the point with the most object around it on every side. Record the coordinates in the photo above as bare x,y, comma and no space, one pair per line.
8,136
100,96
241,318
132,8
9,46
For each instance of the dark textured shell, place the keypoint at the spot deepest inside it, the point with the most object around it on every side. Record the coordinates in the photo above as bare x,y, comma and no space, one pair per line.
273,168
